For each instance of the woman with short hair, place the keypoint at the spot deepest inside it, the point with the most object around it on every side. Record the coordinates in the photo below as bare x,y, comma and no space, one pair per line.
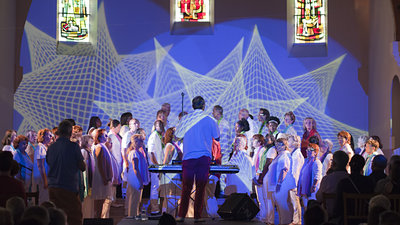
325,155
310,175
25,174
280,181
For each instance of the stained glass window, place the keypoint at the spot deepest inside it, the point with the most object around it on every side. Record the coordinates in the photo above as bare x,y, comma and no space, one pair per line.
192,10
73,20
310,21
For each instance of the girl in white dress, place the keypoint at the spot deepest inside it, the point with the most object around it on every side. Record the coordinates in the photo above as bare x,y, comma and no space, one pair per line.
40,166
103,174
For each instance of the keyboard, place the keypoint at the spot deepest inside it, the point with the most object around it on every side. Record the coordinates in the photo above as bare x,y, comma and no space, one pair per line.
178,169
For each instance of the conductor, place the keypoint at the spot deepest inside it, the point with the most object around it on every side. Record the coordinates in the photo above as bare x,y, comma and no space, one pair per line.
197,130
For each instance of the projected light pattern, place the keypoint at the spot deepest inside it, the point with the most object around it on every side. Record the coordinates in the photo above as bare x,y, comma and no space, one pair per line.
109,84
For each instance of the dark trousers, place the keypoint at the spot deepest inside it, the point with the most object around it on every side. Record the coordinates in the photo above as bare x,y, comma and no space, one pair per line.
194,169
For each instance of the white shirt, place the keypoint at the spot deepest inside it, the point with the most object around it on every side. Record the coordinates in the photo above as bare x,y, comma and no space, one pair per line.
126,140
240,182
298,162
281,162
225,136
124,129
197,131
116,149
325,163
258,151
249,134
155,146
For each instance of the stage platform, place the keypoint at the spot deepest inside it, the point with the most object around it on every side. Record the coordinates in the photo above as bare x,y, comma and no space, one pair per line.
208,221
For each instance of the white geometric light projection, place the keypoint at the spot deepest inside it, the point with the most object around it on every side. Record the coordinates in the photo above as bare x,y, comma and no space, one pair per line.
109,84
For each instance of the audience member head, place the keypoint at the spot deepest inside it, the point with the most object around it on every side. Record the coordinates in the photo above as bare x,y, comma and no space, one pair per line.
263,115
258,140
48,204
379,200
125,118
198,102
315,214
57,216
6,159
394,168
16,205
273,123
373,214
5,217
44,136
64,129
389,218
376,138
309,124
357,163
343,137
20,142
9,137
218,112
37,212
166,219
290,118
361,141
100,137
379,163
169,135
339,161
166,107
32,136
242,126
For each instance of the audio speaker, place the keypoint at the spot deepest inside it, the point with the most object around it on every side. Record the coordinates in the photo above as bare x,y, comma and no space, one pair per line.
238,206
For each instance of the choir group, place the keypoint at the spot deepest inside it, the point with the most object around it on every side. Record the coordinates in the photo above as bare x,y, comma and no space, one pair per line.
284,171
